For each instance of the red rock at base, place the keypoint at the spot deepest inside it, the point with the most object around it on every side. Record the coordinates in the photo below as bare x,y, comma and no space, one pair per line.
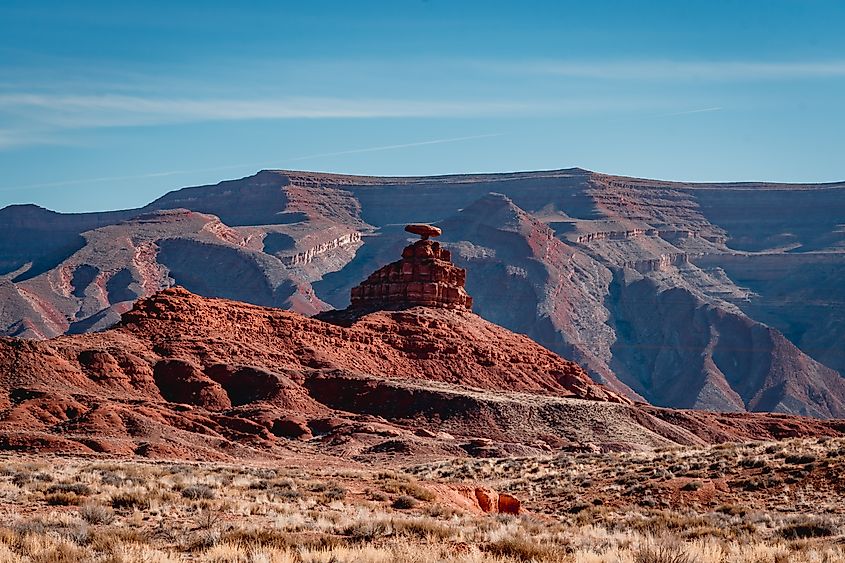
424,276
487,499
509,504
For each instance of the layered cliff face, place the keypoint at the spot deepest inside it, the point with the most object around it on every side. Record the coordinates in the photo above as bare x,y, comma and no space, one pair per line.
613,272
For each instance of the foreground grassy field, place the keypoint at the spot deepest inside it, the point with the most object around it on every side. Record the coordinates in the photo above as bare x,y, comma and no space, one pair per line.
767,502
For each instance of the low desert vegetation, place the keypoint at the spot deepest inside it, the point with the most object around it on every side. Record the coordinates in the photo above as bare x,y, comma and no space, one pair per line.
670,506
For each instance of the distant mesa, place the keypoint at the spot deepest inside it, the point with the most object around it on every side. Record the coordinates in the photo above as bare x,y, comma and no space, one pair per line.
425,276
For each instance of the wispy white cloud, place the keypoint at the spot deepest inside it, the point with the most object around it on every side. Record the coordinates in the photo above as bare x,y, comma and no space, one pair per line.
252,165
54,113
8,139
14,138
675,69
119,110
34,111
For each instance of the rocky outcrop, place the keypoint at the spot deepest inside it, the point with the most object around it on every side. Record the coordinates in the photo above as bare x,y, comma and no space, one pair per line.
437,344
477,499
425,276
661,263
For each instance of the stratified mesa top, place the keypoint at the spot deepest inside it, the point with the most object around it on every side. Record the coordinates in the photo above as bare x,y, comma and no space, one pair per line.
424,276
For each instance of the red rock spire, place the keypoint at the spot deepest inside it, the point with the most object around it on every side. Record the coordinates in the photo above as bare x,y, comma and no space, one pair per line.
424,276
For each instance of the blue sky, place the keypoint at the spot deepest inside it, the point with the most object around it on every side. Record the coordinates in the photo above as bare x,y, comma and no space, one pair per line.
107,105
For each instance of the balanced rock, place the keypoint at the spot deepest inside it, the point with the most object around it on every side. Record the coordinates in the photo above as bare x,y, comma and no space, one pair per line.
425,231
424,276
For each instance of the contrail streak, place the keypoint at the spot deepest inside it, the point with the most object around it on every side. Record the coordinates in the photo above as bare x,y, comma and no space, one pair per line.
703,110
402,146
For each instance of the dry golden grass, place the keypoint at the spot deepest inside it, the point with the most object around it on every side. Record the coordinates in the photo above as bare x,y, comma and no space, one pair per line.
584,509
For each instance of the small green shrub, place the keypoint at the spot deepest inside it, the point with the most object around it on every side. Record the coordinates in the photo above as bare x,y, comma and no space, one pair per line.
662,554
131,500
96,513
62,499
198,492
808,528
